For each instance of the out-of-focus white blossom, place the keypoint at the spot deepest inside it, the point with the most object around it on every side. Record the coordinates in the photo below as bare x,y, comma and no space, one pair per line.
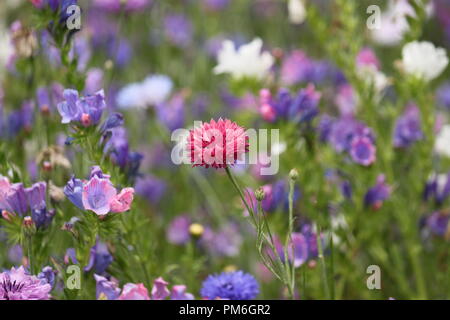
393,22
424,60
371,75
297,11
153,90
246,61
442,144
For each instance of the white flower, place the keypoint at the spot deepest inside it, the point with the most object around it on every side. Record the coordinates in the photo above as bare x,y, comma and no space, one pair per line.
424,60
373,76
247,61
153,90
393,22
297,11
442,144
157,89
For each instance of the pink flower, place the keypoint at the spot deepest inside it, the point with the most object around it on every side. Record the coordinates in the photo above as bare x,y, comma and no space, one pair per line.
217,144
4,188
179,293
366,57
132,291
159,290
122,201
97,195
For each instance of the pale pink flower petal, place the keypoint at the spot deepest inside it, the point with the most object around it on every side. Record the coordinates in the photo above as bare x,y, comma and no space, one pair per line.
122,201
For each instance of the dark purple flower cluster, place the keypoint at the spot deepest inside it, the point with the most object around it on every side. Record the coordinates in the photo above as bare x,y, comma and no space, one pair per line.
17,200
300,108
346,134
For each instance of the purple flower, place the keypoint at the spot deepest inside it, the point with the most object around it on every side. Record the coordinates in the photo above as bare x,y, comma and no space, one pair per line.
438,188
47,275
438,223
363,151
97,195
70,256
443,96
300,248
15,254
304,106
14,199
295,68
178,29
230,285
282,102
325,127
99,259
36,196
225,242
150,188
106,289
86,110
344,130
179,293
376,195
121,52
346,100
43,99
73,191
275,196
114,120
117,146
407,128
69,109
171,113
21,119
178,230
94,81
17,284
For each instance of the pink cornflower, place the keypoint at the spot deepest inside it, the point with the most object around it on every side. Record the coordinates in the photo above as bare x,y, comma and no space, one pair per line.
217,144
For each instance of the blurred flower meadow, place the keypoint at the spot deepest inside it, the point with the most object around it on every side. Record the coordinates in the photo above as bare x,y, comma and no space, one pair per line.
355,98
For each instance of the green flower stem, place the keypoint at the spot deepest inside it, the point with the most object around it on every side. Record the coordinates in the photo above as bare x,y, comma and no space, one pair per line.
279,268
30,252
322,264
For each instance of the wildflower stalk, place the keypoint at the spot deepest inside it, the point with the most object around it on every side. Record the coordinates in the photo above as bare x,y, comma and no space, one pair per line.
323,266
280,268
30,252
290,268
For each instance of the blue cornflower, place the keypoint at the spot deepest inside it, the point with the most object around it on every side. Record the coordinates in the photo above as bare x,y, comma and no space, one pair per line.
235,285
